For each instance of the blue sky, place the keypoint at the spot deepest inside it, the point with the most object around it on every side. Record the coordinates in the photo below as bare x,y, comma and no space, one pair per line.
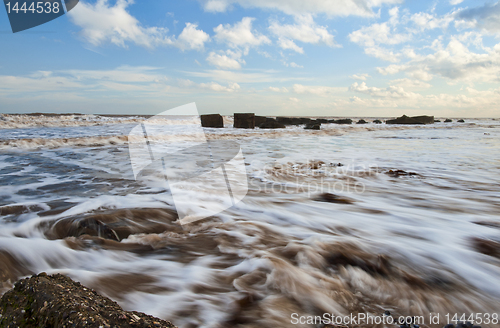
271,57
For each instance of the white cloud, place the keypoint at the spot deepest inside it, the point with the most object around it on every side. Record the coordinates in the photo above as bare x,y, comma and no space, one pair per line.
304,30
455,62
455,2
411,84
289,44
299,7
426,21
383,53
317,90
294,99
376,34
389,92
486,17
213,86
103,23
240,34
228,60
283,90
295,65
362,77
191,38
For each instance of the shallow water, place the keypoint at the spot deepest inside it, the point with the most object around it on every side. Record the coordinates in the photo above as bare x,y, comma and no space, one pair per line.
420,240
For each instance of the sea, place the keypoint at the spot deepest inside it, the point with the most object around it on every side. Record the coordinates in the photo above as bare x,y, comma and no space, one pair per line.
350,221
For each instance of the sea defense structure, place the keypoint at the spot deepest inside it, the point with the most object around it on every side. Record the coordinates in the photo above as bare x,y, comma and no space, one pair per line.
293,120
212,121
271,123
260,120
412,120
244,120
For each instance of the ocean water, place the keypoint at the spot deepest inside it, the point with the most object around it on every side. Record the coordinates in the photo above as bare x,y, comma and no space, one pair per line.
349,219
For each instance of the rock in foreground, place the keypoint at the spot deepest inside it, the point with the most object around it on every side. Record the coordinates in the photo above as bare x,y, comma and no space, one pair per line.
58,301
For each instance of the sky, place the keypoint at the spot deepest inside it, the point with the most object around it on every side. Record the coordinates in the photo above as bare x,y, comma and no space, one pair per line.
352,58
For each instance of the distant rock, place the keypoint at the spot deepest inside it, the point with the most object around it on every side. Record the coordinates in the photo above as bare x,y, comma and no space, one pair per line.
58,301
448,120
244,120
461,121
437,121
343,121
2,118
260,120
313,126
362,122
271,123
321,120
412,120
212,121
377,122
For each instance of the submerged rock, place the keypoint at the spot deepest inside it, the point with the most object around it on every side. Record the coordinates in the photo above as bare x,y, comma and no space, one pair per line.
448,120
377,122
58,301
461,121
212,121
362,122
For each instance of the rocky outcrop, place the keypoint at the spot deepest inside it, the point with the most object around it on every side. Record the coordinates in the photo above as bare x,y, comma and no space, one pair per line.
362,122
377,122
461,121
244,120
437,121
448,120
343,121
412,120
260,120
271,123
58,301
212,121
